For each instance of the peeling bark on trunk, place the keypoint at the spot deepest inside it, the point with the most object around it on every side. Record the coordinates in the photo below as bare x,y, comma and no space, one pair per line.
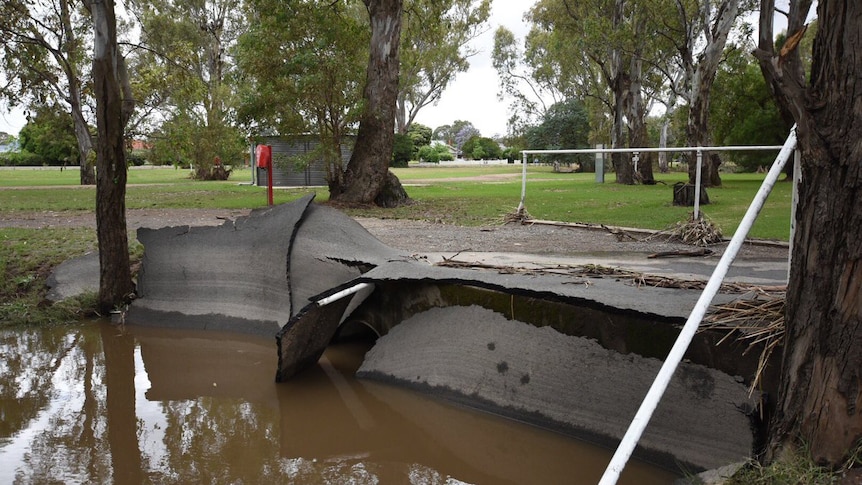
622,162
82,130
663,165
367,179
697,133
723,16
636,112
85,146
821,383
113,108
820,391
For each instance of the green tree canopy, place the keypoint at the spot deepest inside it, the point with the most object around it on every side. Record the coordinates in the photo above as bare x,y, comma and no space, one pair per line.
743,111
435,47
302,68
481,148
45,59
50,134
565,125
187,45
420,134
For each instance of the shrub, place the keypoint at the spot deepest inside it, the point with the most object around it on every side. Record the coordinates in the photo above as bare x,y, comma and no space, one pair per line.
21,159
402,150
428,154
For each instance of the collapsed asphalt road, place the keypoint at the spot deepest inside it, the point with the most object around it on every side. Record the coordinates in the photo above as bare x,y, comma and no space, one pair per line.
267,273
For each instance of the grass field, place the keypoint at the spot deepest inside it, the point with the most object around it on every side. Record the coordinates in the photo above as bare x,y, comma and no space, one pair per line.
464,196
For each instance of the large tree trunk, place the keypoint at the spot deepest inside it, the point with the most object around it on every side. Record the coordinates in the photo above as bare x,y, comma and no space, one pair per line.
367,179
622,162
636,111
697,134
723,16
112,113
697,131
821,376
85,146
663,165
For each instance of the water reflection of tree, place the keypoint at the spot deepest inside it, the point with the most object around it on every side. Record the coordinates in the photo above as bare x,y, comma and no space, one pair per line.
28,362
78,395
68,396
222,441
55,370
119,351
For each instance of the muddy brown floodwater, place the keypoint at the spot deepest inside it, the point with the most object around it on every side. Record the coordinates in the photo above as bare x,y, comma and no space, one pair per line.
97,403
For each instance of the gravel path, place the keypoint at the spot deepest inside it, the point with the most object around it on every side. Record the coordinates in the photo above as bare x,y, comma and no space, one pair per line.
412,235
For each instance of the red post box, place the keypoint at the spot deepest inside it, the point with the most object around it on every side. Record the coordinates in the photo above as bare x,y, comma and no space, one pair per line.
264,161
264,156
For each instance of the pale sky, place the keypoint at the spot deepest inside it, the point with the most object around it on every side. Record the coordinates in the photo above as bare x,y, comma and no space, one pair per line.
472,96
11,122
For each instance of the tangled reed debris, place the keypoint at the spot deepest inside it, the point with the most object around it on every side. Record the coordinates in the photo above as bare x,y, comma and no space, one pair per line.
695,232
517,216
598,271
757,319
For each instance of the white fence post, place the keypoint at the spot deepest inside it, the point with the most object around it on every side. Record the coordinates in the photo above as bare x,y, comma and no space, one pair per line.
523,182
697,182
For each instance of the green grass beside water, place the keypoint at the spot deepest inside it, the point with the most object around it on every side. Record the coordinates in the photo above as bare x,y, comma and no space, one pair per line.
445,194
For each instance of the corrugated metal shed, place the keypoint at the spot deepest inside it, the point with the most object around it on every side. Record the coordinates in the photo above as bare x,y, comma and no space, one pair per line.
314,174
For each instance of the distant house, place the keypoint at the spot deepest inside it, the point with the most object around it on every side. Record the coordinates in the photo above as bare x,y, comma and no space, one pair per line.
292,166
141,145
436,143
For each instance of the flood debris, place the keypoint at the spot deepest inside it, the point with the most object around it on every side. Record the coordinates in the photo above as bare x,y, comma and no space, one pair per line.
757,319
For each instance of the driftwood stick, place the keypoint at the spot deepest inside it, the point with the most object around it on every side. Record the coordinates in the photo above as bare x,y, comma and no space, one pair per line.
672,254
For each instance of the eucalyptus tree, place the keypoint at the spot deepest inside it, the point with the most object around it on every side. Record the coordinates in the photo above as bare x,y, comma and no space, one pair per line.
594,50
434,49
565,125
45,59
449,133
187,42
521,77
821,370
49,133
114,106
698,31
300,70
742,109
367,178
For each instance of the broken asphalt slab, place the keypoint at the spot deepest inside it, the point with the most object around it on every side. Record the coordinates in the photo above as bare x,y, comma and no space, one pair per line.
570,384
74,277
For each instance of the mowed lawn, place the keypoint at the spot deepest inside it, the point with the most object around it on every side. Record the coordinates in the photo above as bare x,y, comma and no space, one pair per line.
464,196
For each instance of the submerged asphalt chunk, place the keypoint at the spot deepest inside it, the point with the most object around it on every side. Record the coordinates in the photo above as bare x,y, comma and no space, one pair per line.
567,383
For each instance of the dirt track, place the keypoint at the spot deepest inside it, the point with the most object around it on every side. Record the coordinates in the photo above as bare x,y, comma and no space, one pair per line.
409,234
